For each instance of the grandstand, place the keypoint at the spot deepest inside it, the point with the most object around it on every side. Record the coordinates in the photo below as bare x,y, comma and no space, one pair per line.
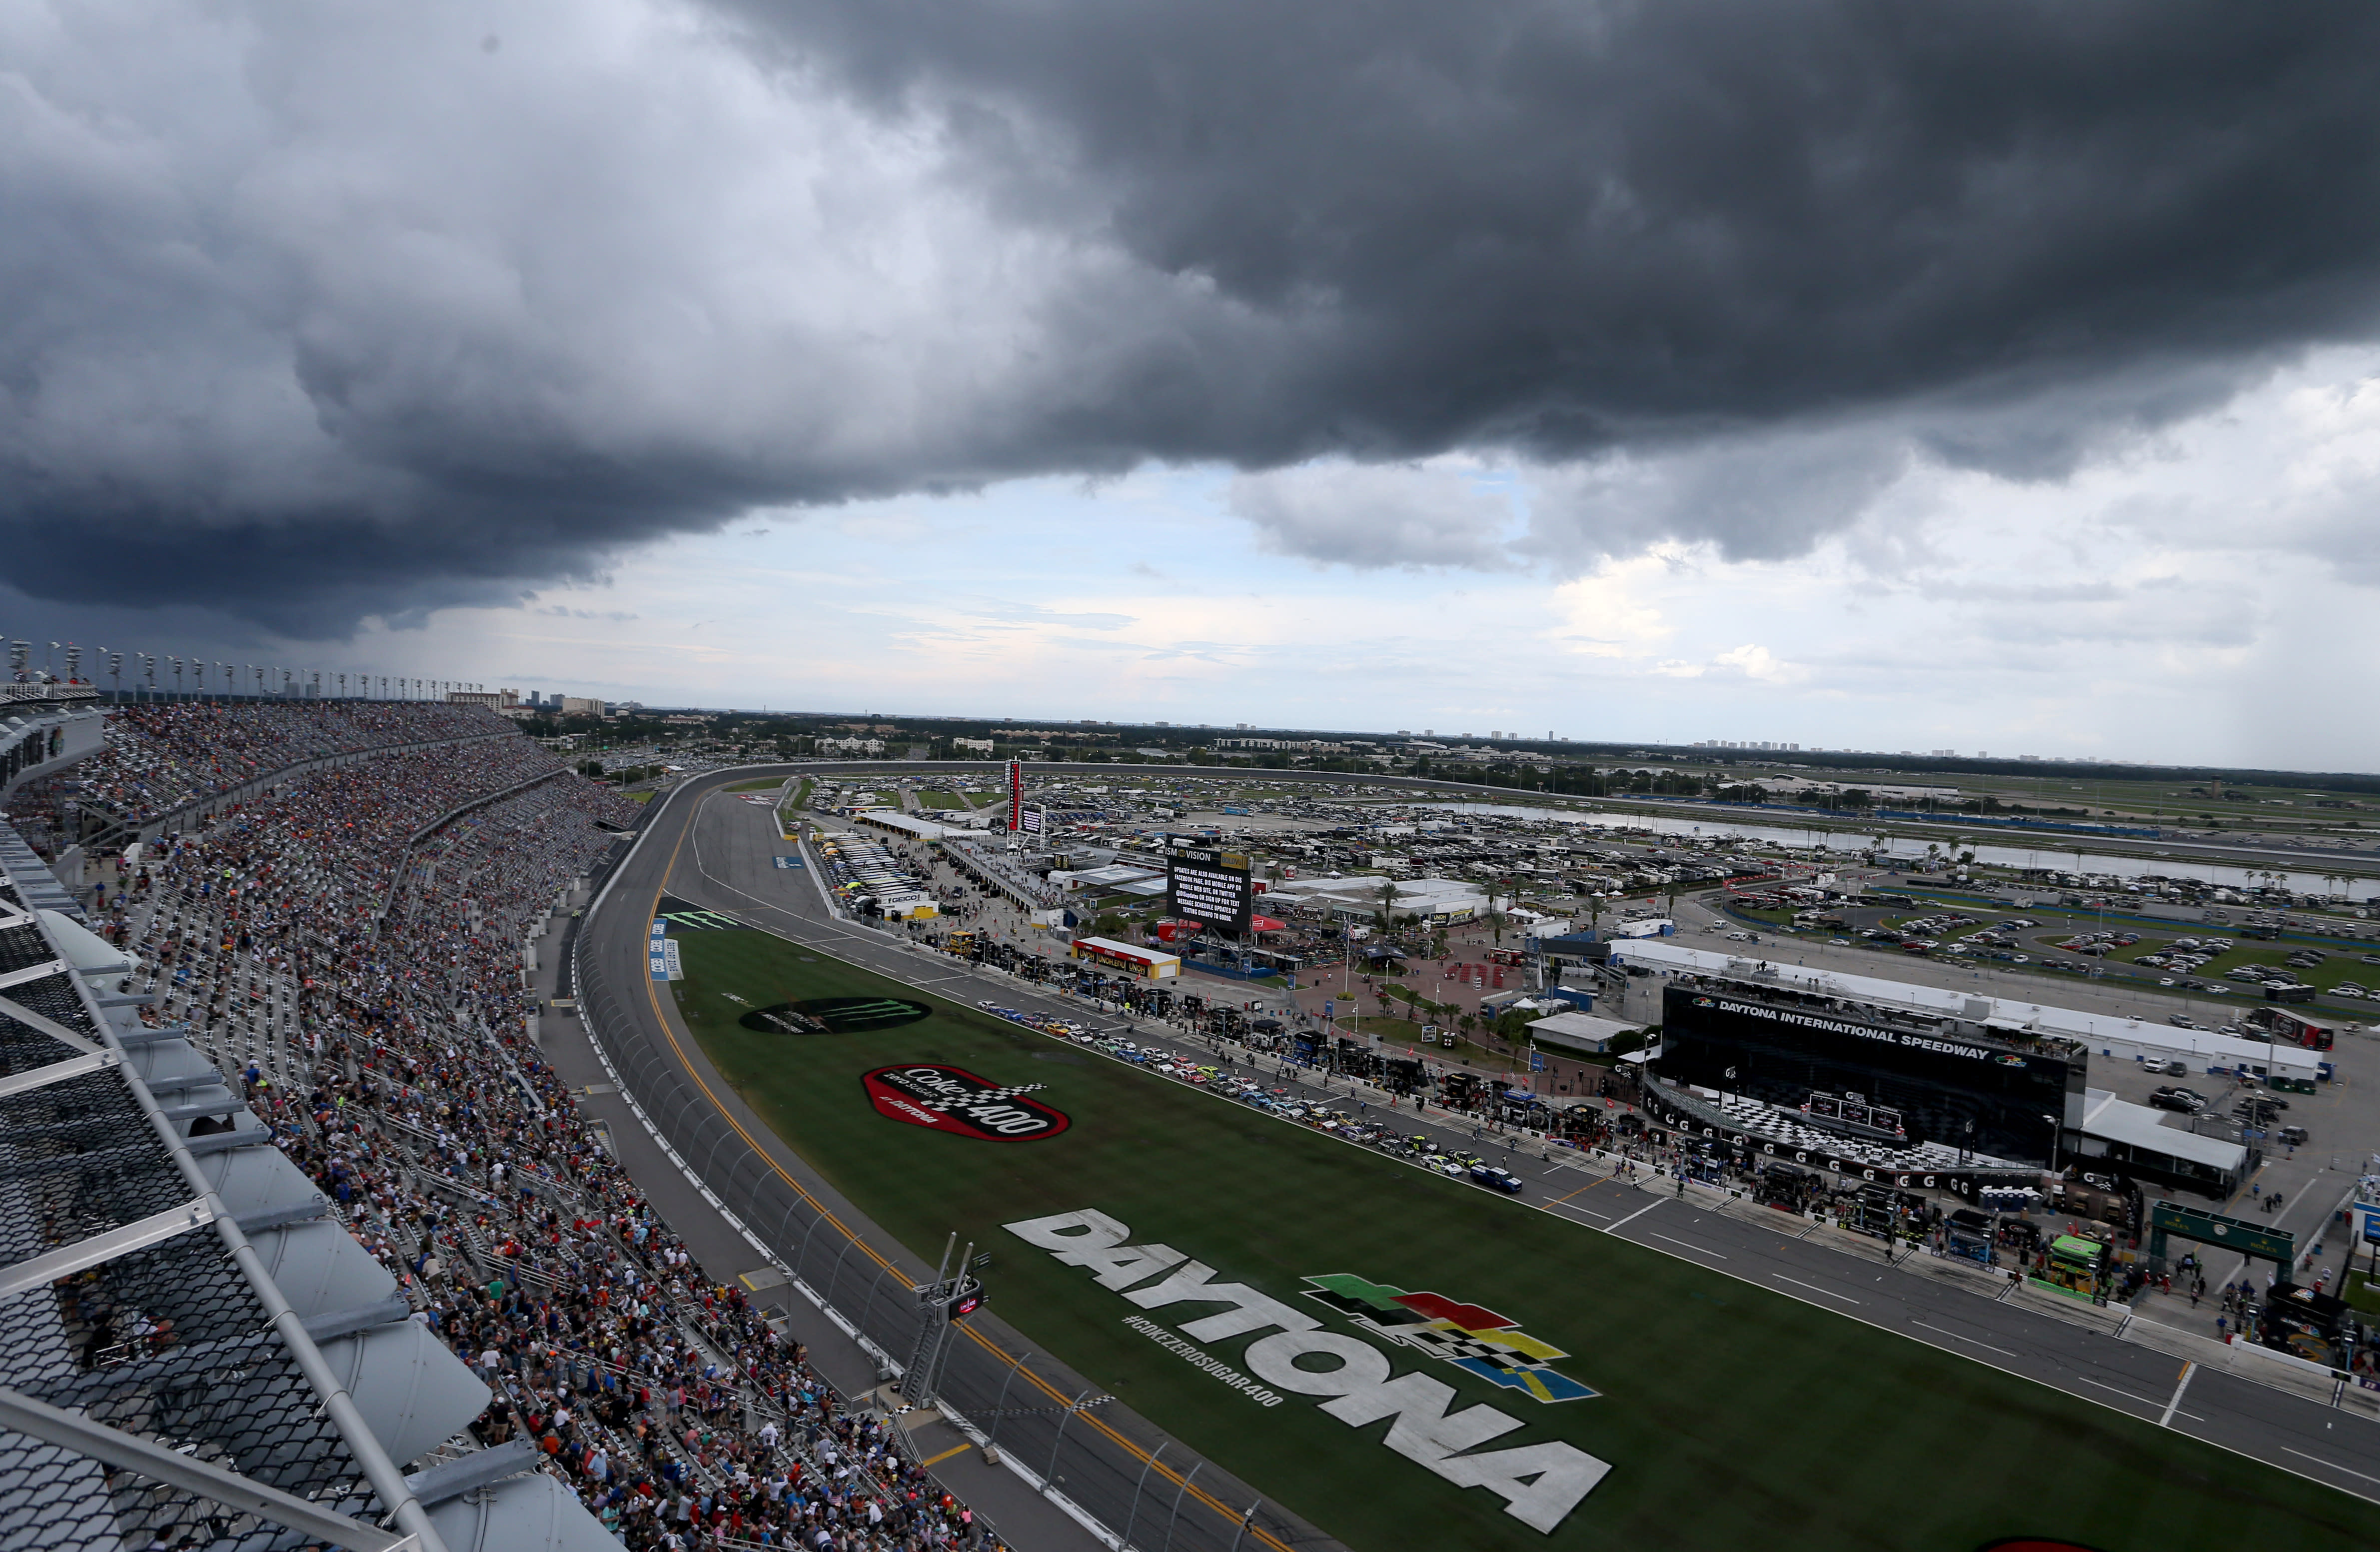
337,956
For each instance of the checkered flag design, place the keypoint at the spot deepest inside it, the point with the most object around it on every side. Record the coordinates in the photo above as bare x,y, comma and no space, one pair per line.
1452,1346
944,1105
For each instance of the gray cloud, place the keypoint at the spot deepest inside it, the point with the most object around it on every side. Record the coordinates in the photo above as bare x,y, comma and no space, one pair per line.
1375,515
323,314
1763,497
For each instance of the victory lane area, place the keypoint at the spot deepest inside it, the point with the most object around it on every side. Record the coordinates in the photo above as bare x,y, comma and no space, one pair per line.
1274,1298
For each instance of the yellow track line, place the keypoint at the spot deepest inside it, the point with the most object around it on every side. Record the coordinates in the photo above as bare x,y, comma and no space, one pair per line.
1221,1508
1588,1187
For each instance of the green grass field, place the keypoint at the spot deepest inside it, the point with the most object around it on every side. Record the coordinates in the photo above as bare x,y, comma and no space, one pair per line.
766,783
941,800
1732,1418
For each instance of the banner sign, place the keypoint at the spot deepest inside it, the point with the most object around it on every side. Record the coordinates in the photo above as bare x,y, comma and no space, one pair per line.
788,860
1540,1484
953,1099
2255,1240
657,950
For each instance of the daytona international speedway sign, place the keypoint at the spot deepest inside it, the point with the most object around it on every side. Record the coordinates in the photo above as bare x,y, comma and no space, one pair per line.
1540,1484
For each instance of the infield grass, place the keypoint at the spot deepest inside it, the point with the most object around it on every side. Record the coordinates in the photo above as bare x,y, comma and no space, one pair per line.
1734,1419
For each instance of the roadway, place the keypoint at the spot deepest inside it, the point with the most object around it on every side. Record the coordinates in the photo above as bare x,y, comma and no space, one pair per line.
725,865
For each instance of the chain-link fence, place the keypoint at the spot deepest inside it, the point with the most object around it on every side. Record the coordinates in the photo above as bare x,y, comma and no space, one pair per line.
1157,1498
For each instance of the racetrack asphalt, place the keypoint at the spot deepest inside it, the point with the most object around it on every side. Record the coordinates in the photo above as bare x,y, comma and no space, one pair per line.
718,854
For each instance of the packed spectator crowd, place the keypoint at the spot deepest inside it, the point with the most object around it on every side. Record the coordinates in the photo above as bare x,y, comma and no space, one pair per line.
160,758
350,943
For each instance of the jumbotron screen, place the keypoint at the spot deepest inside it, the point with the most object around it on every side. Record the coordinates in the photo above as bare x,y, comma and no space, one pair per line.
1211,887
1986,1098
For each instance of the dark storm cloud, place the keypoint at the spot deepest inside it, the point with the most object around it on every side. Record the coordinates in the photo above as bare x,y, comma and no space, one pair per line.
1986,235
330,314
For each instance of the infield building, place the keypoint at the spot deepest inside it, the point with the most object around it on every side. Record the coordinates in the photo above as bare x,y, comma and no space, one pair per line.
1909,1097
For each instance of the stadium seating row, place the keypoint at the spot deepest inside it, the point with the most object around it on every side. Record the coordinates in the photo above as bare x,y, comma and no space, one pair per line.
366,988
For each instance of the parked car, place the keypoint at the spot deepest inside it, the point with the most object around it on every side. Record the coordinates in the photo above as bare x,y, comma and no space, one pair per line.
2187,1102
2295,1136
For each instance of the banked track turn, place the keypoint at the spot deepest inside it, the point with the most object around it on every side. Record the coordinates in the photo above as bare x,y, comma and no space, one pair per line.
681,1095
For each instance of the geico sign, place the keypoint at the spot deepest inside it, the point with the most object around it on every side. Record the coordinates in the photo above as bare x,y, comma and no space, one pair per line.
1540,1484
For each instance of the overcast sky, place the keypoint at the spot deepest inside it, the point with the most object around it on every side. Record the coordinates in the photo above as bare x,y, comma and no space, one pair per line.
1985,377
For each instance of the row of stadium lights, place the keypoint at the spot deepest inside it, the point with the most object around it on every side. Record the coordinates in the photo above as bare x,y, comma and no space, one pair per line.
191,676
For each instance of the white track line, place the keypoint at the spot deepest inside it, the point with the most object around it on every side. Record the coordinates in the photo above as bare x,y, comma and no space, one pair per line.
1688,1244
2126,1394
1963,1337
1634,1216
2320,1461
1813,1288
2183,1384
1573,1206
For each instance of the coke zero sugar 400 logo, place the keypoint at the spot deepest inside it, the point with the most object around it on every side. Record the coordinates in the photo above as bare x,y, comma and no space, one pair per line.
945,1098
